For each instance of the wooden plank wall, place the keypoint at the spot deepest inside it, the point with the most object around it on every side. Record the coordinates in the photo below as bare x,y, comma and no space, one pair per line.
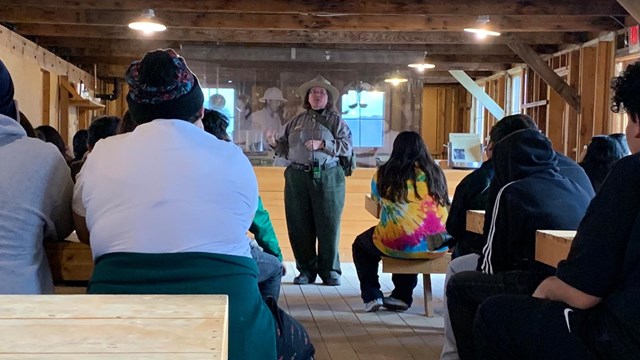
355,219
589,69
445,109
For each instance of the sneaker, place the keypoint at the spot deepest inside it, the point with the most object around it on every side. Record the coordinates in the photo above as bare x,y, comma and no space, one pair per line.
373,306
304,279
394,304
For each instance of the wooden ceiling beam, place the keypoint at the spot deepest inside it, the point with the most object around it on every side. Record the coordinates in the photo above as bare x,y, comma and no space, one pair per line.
280,36
249,21
341,7
106,69
69,46
402,58
568,93
633,7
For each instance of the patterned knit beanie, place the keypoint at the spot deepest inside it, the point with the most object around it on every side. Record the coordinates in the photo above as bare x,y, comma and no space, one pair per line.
161,86
7,105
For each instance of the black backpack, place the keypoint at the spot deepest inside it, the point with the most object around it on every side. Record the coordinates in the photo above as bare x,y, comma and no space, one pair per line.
347,163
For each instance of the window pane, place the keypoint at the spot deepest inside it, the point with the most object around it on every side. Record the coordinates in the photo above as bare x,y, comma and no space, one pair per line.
223,100
364,113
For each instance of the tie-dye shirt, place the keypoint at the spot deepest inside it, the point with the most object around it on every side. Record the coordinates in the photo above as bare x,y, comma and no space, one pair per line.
403,227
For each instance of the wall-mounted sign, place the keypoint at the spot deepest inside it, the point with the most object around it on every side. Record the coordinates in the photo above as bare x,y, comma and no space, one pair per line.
634,39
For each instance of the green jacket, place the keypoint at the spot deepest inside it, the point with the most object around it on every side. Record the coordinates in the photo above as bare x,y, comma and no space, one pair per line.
252,330
262,230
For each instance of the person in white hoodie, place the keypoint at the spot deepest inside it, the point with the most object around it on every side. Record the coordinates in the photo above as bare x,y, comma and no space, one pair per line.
35,201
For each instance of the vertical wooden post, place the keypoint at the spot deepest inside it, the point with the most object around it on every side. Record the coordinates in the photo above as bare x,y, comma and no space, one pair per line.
46,97
587,90
63,124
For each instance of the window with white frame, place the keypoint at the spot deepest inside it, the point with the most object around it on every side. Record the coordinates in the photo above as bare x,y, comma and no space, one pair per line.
363,111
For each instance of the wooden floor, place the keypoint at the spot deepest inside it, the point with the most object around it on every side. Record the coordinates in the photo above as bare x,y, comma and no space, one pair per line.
341,330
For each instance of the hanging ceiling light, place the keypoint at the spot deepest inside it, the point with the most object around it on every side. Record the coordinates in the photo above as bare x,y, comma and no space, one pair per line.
147,22
482,30
423,65
396,78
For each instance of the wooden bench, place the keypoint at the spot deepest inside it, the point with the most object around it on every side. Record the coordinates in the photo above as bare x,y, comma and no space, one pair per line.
93,327
552,246
419,266
70,262
475,221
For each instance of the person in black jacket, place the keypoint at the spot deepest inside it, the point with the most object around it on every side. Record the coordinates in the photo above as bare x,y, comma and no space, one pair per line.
478,192
532,195
473,191
589,309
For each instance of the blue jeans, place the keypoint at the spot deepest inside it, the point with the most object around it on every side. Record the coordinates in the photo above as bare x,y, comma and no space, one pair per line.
269,273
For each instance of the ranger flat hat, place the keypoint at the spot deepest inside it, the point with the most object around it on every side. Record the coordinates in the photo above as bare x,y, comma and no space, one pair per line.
319,81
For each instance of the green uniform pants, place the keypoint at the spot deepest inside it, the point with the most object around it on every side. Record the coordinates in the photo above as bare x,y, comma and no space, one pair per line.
313,210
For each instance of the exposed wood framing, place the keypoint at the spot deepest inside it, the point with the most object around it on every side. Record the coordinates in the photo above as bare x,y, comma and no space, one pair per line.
46,96
406,22
287,36
478,93
633,7
569,94
401,7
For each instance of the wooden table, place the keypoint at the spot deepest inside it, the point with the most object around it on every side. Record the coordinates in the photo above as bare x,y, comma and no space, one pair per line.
92,327
552,246
475,221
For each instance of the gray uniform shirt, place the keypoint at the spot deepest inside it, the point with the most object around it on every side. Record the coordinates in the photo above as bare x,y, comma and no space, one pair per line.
35,204
305,127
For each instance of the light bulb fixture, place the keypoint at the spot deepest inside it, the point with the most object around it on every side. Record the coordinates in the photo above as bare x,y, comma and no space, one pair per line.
396,79
424,65
481,30
147,23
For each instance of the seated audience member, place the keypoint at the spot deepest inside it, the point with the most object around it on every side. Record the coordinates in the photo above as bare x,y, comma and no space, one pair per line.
472,192
265,249
601,153
566,167
531,195
412,192
26,125
49,134
589,309
35,201
101,128
80,144
127,124
167,206
621,138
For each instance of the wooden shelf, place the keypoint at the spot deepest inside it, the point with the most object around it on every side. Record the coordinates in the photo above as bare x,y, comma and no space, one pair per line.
85,104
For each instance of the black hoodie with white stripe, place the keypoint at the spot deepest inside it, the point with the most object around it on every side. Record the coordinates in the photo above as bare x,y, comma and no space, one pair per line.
533,196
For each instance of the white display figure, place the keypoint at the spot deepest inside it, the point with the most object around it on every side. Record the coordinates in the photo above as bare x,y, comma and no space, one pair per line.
267,121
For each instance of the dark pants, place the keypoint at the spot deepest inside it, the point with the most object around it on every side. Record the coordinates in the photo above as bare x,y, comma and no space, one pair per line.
522,327
366,257
467,290
313,210
292,340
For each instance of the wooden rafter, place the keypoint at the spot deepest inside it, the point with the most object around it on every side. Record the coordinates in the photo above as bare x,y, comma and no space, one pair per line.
327,7
633,7
568,93
248,21
68,46
286,36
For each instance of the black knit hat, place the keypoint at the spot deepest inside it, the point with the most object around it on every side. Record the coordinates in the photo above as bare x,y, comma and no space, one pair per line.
161,86
7,105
